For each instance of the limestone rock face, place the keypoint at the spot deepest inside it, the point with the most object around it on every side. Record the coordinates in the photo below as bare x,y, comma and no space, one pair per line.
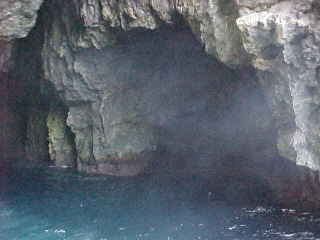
281,38
212,22
151,94
5,54
284,42
132,94
17,17
61,145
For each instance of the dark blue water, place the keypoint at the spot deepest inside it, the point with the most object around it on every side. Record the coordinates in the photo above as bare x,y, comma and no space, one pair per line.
55,204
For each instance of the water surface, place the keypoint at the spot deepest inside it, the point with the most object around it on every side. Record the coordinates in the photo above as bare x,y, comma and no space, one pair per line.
42,204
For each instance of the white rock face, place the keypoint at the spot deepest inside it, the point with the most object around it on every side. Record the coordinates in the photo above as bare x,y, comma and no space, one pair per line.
284,41
17,17
279,38
212,21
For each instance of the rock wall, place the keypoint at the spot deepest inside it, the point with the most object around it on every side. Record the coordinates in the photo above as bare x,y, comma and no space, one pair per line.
151,95
279,38
30,99
16,20
107,105
6,115
282,38
284,43
60,138
137,84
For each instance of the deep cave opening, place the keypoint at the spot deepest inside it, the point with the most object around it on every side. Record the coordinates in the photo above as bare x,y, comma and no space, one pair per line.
153,103
170,88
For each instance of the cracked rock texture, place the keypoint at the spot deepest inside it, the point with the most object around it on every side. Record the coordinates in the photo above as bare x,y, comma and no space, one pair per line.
284,41
61,143
123,86
159,95
213,22
17,17
279,38
110,123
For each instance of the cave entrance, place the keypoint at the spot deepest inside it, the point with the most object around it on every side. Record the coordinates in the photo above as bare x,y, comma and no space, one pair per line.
155,102
160,93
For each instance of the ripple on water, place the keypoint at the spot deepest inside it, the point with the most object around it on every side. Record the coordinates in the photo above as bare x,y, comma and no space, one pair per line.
61,205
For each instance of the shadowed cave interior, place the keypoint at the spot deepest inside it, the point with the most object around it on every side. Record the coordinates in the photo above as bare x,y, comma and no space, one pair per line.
157,119
154,103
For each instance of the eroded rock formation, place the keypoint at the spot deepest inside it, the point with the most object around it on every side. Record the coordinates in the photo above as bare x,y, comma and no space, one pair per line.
138,80
129,102
284,42
16,20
